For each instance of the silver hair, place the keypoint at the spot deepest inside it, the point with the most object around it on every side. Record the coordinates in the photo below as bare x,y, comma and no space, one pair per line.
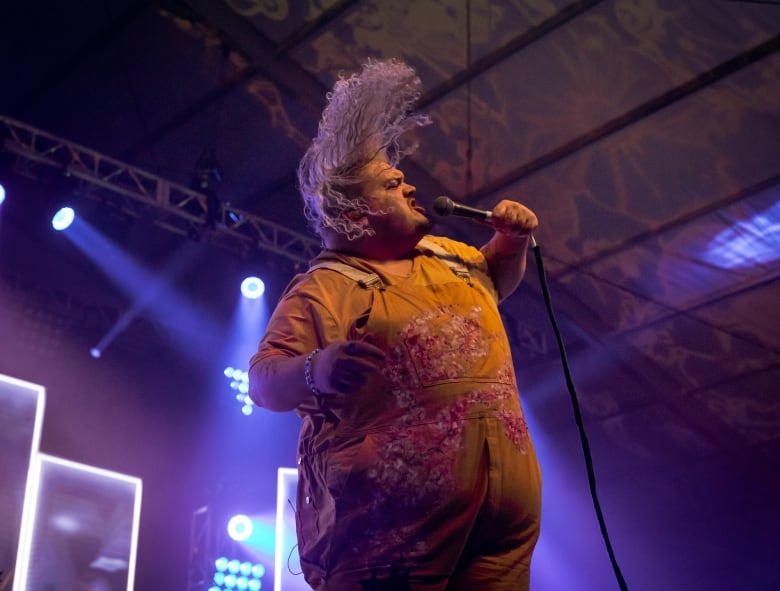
368,114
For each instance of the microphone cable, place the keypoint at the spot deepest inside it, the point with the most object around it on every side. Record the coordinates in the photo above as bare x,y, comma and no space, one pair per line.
577,415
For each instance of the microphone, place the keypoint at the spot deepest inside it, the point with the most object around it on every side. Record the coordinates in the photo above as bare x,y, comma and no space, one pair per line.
446,206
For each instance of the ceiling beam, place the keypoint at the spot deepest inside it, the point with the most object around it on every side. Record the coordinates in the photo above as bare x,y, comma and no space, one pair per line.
620,122
507,50
265,60
237,34
313,26
690,311
677,222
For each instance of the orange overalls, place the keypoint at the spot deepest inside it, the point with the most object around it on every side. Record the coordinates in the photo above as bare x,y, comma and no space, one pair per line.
427,479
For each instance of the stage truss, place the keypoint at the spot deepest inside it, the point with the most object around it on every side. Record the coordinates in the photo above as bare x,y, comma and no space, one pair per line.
144,195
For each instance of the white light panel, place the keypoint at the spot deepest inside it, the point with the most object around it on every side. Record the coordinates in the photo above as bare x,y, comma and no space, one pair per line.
287,566
80,528
21,420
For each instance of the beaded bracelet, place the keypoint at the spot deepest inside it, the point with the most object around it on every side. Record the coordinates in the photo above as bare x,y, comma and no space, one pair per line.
307,373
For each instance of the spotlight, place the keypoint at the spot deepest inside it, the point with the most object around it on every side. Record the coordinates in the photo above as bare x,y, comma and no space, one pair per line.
63,218
95,352
258,570
221,564
239,528
2,194
237,575
252,287
239,384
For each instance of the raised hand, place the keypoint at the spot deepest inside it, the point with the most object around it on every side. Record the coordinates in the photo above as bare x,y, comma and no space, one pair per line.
513,218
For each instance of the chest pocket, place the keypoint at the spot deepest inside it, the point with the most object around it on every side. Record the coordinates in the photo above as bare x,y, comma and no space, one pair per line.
448,342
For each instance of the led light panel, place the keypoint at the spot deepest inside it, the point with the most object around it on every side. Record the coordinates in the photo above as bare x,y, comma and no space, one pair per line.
80,528
21,420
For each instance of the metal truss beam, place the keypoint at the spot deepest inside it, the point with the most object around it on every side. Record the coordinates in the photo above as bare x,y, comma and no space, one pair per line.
157,200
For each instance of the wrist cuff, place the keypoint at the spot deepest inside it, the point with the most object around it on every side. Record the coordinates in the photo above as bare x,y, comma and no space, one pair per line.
307,373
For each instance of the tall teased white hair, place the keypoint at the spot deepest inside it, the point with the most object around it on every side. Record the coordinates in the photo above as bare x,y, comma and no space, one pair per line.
367,114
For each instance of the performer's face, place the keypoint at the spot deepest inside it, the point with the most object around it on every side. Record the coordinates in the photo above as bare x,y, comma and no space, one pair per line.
386,192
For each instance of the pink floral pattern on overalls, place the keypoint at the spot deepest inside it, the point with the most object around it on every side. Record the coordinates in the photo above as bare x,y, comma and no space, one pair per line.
417,456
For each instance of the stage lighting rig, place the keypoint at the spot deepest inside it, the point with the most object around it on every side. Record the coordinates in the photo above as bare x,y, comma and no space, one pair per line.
176,208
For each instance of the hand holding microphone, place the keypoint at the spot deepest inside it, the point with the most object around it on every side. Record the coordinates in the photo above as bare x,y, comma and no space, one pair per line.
507,217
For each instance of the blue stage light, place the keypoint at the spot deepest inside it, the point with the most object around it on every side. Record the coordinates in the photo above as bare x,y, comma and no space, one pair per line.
252,287
239,528
258,570
95,352
2,194
239,385
236,575
63,218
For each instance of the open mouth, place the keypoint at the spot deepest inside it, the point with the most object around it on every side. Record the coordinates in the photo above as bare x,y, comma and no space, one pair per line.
413,205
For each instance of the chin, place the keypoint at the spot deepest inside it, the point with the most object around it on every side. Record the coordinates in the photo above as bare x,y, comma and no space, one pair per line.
425,226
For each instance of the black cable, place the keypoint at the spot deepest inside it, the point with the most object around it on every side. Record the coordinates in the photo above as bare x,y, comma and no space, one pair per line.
577,416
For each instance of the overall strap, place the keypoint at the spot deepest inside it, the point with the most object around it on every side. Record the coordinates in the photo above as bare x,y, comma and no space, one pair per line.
364,279
452,261
369,280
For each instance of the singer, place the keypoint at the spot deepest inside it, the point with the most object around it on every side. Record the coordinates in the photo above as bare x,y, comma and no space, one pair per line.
416,468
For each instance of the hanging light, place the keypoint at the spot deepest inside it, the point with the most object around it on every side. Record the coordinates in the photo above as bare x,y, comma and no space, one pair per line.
252,287
63,218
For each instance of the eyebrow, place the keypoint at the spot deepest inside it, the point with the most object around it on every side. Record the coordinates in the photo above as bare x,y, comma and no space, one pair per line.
395,176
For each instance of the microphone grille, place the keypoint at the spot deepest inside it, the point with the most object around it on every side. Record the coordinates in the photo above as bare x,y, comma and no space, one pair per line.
443,205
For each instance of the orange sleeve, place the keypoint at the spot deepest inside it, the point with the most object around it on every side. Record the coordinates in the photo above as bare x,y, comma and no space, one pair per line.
316,310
